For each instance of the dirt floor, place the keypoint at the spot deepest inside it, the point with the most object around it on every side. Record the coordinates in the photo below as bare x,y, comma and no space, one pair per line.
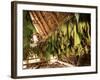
39,65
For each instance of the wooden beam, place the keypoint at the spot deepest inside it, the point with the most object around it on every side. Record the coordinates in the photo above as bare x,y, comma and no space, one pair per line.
35,24
39,22
54,17
45,19
45,25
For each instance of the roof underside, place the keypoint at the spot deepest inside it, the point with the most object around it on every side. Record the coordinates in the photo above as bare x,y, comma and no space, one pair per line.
46,22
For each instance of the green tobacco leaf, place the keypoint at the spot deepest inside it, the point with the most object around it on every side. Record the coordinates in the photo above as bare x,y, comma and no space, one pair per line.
76,37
